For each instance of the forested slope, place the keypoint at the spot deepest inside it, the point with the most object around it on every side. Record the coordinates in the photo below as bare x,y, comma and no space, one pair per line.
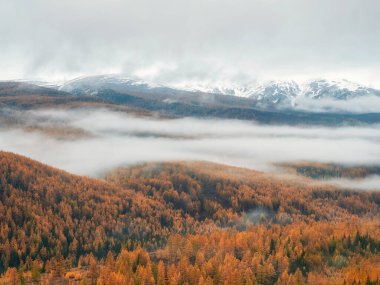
184,223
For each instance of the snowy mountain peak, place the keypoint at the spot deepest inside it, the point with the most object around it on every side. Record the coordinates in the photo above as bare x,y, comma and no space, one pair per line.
337,90
92,84
266,95
278,91
275,91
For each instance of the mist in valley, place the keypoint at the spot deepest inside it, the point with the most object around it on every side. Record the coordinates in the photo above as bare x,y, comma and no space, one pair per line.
116,139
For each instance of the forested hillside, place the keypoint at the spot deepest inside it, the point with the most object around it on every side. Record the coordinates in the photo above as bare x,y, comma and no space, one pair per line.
183,223
327,171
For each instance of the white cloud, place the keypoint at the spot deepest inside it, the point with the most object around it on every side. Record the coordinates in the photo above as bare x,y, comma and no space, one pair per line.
366,104
119,139
368,183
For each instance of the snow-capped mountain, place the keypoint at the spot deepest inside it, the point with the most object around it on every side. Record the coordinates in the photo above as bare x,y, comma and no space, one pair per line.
92,84
280,90
337,90
264,95
270,91
289,93
222,88
275,92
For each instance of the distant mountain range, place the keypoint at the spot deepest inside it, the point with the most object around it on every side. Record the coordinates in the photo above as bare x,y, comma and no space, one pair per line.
270,94
277,90
267,95
320,102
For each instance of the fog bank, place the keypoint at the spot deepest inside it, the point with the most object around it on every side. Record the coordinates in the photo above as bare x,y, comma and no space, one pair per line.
119,139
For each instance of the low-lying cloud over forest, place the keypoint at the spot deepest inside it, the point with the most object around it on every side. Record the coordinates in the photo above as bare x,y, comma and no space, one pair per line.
365,104
110,139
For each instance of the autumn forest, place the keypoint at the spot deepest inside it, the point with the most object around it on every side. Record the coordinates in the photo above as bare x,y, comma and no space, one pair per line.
195,142
182,223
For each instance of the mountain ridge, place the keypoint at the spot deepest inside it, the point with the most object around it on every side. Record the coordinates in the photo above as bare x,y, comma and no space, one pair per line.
315,95
265,95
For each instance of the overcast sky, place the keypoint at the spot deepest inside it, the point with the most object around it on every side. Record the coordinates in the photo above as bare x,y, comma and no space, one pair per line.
182,40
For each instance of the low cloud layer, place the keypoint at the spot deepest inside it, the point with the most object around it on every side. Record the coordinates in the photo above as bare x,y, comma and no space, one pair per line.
118,139
369,183
365,104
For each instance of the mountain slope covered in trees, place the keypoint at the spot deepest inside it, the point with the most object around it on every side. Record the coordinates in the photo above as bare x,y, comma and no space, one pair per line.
184,223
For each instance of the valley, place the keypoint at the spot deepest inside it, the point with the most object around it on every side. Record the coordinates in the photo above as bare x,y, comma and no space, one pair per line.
193,142
128,187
